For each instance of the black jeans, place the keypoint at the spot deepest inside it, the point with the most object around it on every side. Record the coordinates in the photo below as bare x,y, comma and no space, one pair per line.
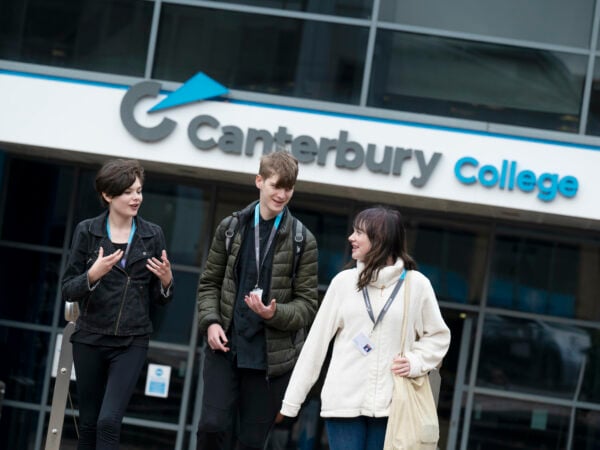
243,398
106,378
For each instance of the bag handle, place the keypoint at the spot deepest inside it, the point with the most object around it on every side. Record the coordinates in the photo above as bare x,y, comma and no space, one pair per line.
405,316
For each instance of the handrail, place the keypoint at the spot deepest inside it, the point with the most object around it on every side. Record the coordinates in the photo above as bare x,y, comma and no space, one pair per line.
63,378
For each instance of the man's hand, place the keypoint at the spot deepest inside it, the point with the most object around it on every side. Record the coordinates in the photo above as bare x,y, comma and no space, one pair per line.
255,303
216,338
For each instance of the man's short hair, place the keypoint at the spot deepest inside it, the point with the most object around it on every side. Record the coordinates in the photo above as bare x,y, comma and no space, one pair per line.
280,163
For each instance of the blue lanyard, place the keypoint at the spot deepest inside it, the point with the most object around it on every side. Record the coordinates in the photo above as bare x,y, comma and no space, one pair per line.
131,233
388,303
260,263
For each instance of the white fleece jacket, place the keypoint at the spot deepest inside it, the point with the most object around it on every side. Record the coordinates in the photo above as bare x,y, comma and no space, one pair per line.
358,385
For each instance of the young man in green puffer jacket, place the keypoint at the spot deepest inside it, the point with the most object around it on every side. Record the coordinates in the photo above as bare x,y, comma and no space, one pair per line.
253,309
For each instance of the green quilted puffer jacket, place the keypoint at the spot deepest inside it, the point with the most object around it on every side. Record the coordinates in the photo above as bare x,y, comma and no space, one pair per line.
296,305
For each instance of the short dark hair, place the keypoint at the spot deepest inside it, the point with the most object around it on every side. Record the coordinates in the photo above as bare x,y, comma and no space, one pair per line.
385,229
281,163
116,175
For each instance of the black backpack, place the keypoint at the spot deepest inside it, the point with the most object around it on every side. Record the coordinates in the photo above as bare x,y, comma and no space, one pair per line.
299,238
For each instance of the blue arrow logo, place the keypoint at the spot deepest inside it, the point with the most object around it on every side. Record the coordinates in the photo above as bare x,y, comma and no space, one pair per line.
199,87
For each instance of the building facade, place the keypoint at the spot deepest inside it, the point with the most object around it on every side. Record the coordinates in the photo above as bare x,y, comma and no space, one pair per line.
479,120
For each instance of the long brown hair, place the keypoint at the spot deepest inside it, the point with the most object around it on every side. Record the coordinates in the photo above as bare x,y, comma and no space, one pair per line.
385,229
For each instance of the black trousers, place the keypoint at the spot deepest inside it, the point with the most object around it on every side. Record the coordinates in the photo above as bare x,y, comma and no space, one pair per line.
237,402
106,379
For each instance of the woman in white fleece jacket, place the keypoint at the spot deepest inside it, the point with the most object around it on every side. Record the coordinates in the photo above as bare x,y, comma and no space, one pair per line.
356,395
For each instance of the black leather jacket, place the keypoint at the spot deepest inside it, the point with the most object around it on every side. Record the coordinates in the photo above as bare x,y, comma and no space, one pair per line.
118,304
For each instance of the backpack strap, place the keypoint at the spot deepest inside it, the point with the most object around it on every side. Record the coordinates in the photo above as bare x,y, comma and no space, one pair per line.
230,232
299,238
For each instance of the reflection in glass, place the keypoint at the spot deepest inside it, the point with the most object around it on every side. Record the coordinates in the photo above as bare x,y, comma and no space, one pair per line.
546,277
505,424
17,428
448,371
99,35
593,125
530,355
157,408
350,8
173,322
41,218
184,215
24,354
590,390
587,430
455,279
481,81
537,20
87,203
331,232
273,55
28,295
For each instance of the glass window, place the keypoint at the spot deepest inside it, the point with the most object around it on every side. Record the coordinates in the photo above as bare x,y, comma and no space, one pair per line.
147,407
28,285
554,354
590,389
18,428
133,437
548,21
506,424
87,203
484,82
24,355
273,55
454,279
331,233
593,125
350,8
184,215
100,35
230,199
449,369
173,322
545,277
587,431
157,408
36,201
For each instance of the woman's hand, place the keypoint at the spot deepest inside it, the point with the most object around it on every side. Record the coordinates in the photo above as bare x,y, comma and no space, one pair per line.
401,366
103,264
161,268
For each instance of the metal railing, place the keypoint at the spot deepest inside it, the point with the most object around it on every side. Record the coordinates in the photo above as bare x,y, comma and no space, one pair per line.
63,378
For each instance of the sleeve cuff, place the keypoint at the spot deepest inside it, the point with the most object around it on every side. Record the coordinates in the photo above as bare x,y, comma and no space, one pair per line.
166,292
91,287
289,410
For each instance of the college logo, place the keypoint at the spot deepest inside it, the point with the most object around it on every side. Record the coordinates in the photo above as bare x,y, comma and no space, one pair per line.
199,87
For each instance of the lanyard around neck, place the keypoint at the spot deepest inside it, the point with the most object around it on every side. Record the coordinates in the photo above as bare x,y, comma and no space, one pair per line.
388,303
131,233
259,262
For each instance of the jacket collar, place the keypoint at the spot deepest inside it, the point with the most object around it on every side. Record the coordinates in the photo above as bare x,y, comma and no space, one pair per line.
387,275
98,226
247,214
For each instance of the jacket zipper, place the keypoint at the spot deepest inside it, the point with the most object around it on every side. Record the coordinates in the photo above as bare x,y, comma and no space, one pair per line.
122,304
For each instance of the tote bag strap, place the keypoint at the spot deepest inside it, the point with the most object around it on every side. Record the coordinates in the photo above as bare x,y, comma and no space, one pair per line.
405,315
